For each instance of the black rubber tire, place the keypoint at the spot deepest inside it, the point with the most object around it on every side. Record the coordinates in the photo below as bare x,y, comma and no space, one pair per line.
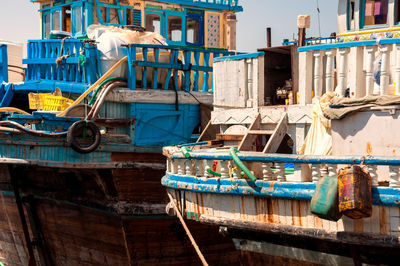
76,130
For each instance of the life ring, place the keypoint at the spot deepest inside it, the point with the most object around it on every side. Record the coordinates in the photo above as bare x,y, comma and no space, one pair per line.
76,131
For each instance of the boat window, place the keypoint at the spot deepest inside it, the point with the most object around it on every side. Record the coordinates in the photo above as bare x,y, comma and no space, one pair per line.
77,19
193,30
375,12
129,16
67,18
114,18
175,28
56,20
103,11
397,12
350,14
46,29
153,23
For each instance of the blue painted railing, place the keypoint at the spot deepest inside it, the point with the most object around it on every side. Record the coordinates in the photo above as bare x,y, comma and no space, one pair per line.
348,44
216,4
381,196
3,63
293,158
272,182
152,66
78,66
312,41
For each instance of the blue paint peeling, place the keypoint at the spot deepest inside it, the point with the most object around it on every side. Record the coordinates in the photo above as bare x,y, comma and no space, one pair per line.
389,197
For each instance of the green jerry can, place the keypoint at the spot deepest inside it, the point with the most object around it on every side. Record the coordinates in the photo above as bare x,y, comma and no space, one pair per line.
324,202
355,196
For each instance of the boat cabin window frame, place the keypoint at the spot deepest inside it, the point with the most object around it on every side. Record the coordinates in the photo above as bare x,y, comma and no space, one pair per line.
350,16
62,15
396,15
121,10
196,16
74,27
161,14
362,15
182,16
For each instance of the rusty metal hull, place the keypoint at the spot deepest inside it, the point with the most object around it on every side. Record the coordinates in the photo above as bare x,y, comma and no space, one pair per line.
100,216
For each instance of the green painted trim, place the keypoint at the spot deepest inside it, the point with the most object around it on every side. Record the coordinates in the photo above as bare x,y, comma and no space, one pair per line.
153,6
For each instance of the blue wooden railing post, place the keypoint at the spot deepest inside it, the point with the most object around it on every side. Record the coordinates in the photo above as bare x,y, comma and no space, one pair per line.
144,78
3,63
174,67
156,60
196,72
187,56
132,67
206,75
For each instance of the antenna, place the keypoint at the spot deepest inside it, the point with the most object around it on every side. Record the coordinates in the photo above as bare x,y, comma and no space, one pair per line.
319,21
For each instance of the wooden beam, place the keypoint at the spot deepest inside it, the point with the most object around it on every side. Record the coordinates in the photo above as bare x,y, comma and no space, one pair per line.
249,139
277,137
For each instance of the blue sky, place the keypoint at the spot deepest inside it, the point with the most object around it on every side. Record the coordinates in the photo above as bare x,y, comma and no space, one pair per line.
19,20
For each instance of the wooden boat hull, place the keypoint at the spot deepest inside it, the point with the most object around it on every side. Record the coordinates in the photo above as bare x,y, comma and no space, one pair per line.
100,217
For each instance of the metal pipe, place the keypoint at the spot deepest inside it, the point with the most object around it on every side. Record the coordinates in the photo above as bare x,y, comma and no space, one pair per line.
268,37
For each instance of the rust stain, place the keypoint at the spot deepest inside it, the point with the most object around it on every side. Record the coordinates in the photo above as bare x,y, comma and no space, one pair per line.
299,210
369,148
243,208
358,225
382,221
197,203
202,204
293,214
394,152
269,211
275,209
318,222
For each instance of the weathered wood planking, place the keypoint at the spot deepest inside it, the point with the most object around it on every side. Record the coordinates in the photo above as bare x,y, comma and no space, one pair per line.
77,235
384,220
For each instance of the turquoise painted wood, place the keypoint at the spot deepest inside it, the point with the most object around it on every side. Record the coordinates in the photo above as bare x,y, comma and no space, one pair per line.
381,196
179,62
72,73
159,125
3,63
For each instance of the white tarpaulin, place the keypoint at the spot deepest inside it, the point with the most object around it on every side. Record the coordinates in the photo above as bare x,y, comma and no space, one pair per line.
110,40
319,138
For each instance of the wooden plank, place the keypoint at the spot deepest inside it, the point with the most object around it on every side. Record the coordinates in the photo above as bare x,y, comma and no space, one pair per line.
277,137
275,212
249,139
233,137
384,221
282,212
303,209
371,224
358,225
260,132
394,214
348,224
310,217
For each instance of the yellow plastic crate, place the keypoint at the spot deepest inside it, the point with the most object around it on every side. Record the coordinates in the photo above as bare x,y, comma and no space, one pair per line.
36,100
48,101
56,103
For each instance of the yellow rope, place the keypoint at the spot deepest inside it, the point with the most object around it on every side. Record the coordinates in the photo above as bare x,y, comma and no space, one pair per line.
196,247
13,109
95,85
